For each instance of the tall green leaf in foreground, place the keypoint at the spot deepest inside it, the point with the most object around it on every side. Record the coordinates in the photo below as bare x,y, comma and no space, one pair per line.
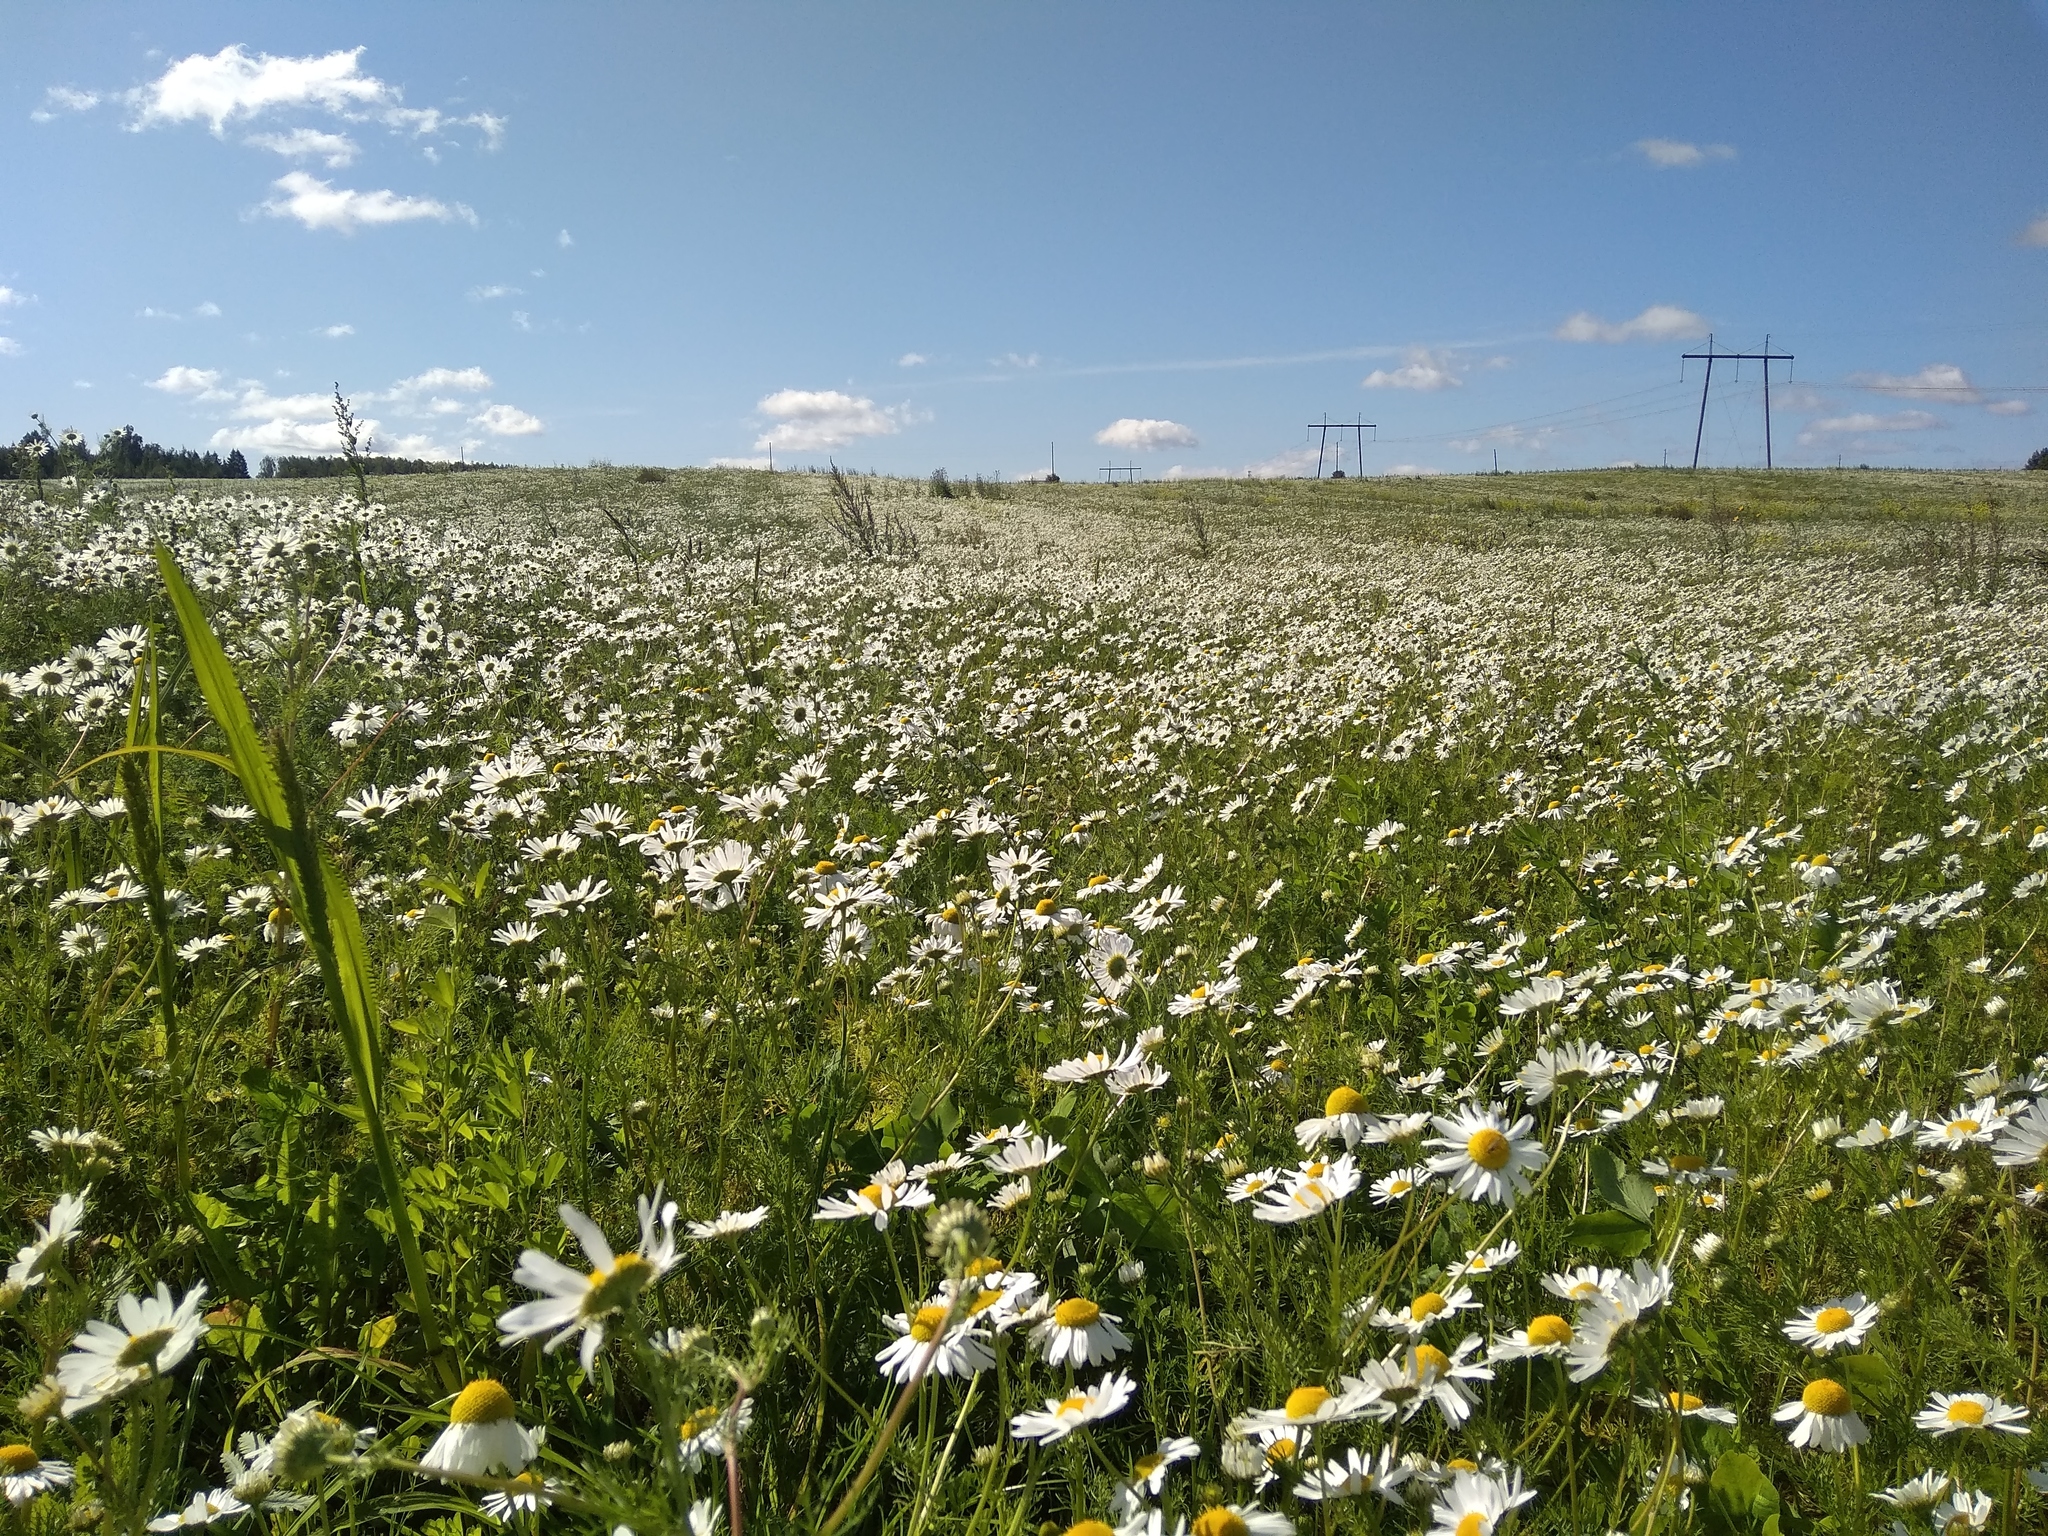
325,911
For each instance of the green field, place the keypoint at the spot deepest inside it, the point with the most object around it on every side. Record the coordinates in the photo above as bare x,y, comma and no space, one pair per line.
1391,995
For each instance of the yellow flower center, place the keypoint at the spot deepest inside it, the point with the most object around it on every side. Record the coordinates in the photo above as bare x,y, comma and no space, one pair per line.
824,867
1427,1305
982,1301
1095,880
1146,1466
1218,1521
1461,1464
17,1459
1430,1361
950,915
1965,1411
872,1193
1281,1450
1549,1329
1303,1402
1046,907
1076,1312
987,1264
142,1349
697,1423
1472,1523
611,1289
1686,1162
1832,1319
1089,1528
1683,1402
483,1401
1489,1149
1200,992
925,1326
1073,1404
1829,1399
1964,1127
1343,1101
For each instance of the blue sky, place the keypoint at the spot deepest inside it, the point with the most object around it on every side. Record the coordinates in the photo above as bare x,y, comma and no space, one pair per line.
912,235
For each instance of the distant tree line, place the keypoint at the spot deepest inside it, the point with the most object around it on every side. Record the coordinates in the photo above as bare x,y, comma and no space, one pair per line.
123,455
2039,460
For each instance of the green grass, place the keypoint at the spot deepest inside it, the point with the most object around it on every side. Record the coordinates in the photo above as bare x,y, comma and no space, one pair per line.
1617,713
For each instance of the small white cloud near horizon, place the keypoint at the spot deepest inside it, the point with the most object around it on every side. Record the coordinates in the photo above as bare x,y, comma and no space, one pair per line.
809,419
1143,434
1292,464
1421,369
563,239
1859,422
9,347
335,332
761,462
1680,154
11,296
2036,233
2009,408
1409,471
1660,322
62,98
1015,360
1937,381
483,293
320,205
208,310
912,360
506,421
337,150
180,380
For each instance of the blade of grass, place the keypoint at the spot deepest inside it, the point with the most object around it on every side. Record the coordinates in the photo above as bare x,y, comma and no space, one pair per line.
326,915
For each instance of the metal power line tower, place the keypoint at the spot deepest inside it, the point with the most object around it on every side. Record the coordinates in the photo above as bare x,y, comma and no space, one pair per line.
1766,357
1357,428
1128,471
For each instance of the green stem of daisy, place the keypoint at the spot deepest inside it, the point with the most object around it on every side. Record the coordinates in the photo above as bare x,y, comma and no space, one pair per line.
931,1493
895,1421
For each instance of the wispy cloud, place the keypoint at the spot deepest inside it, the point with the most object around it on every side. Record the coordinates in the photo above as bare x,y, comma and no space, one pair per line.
336,332
1421,369
11,296
1144,434
62,98
336,149
1937,381
1660,322
483,293
321,205
506,421
2036,233
809,419
2009,408
1015,360
9,347
563,239
1860,423
1681,154
912,360
262,422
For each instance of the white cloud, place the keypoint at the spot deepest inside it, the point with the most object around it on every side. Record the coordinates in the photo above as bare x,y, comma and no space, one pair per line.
521,319
336,149
1937,381
62,98
1679,155
2008,408
763,462
824,418
1660,322
484,292
2036,233
1411,471
1859,422
563,240
1293,463
1015,360
9,296
506,421
1143,434
9,347
319,205
335,332
1420,369
912,360
231,84
207,311
203,382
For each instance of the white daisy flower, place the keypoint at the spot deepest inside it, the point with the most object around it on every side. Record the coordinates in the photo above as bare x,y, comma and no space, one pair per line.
1476,1503
577,1302
205,1508
1309,1190
1061,1416
1080,1333
1840,1324
155,1333
893,1189
1486,1157
24,1474
1686,1406
702,1433
1822,1418
1343,1115
961,1350
1547,1336
727,1224
32,1265
1355,1473
1966,1412
484,1434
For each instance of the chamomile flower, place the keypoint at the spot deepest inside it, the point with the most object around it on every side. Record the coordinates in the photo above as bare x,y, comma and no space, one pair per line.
701,1436
1822,1418
526,1498
1248,1186
32,1265
1343,1116
1425,1311
154,1335
927,1343
206,1507
727,1224
1916,1495
1839,1324
1475,1503
1309,1190
1962,1413
1484,1261
1061,1416
1582,1284
24,1474
1399,1184
2023,1143
1547,1336
1305,1405
1486,1157
1079,1332
891,1190
1239,1520
1355,1473
1147,1478
1966,1125
576,1302
1687,1406
484,1434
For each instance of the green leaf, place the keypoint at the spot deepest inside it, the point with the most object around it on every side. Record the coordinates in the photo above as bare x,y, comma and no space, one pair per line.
1147,1218
217,1214
1738,1494
1870,1379
1622,1187
1614,1232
